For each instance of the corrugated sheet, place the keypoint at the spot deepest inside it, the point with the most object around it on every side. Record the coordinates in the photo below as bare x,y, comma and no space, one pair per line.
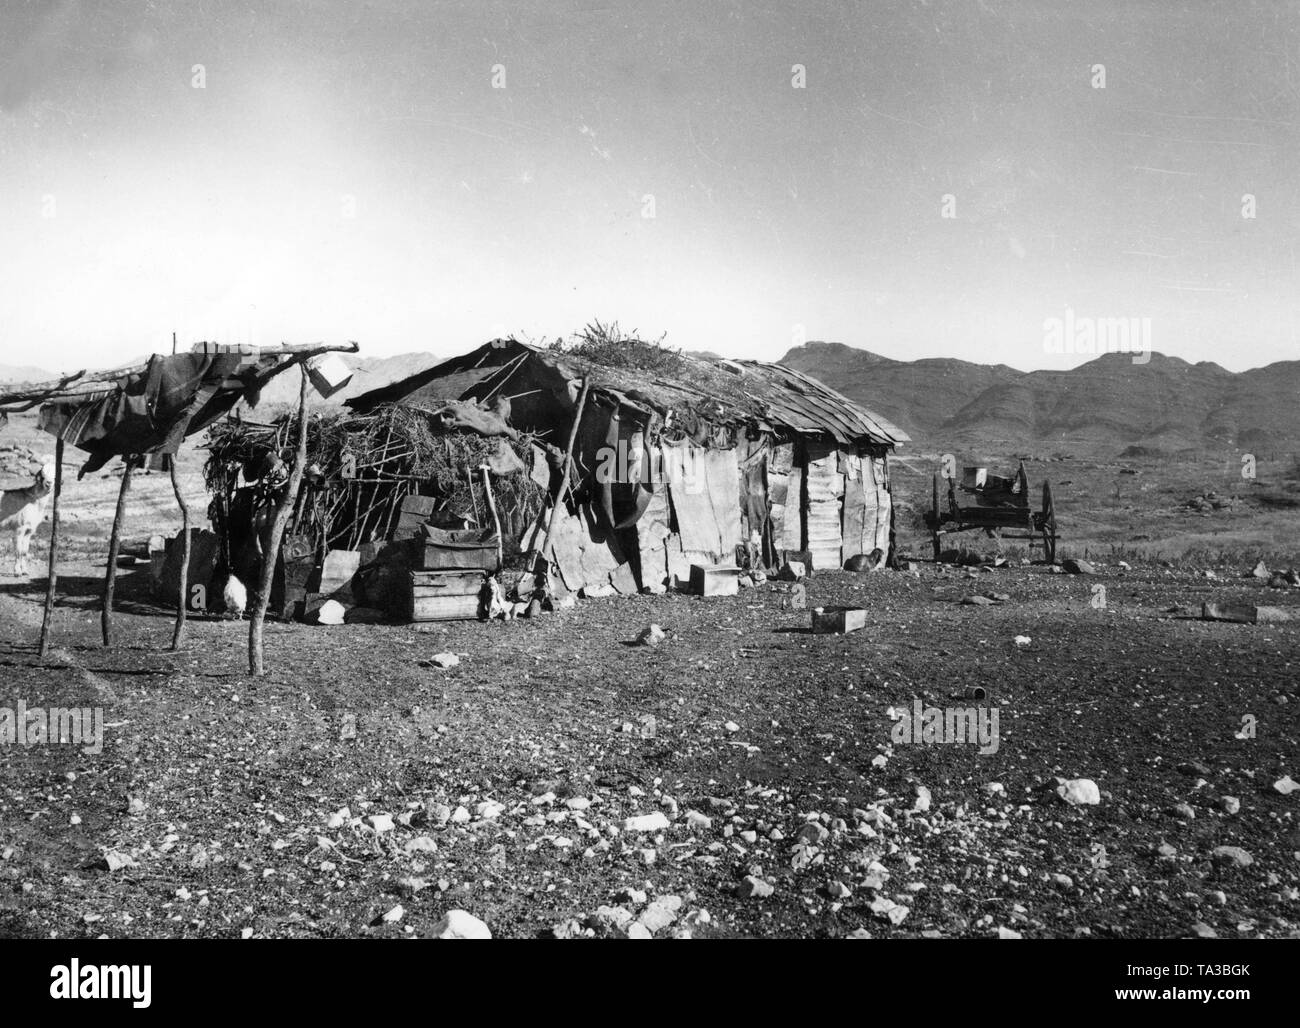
750,393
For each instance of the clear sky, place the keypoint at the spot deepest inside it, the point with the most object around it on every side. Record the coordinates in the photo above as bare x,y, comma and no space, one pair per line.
351,171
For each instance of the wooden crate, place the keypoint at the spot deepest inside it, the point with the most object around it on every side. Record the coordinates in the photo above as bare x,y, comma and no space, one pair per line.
472,549
838,620
715,580
444,595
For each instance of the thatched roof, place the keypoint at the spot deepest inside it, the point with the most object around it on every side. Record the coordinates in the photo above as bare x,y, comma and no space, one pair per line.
756,394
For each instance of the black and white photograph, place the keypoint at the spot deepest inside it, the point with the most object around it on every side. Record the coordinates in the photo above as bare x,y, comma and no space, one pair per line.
593,470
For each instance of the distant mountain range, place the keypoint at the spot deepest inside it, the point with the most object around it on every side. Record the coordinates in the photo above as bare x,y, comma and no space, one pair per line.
15,374
1107,406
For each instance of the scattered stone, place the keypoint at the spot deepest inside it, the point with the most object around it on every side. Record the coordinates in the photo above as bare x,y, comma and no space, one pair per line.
1078,567
813,833
652,635
1230,804
348,728
116,860
1203,931
1078,791
1184,811
445,660
636,930
976,601
731,726
655,822
459,924
1233,855
610,919
696,820
1285,785
1193,767
395,915
923,799
754,887
420,844
1009,933
1260,570
661,913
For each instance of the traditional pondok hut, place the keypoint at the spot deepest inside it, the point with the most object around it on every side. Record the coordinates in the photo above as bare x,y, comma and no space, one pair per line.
662,461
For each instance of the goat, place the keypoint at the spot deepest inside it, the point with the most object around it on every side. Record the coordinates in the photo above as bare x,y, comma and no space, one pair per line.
23,510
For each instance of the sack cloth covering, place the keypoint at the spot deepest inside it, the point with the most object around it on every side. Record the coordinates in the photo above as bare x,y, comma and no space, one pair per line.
153,410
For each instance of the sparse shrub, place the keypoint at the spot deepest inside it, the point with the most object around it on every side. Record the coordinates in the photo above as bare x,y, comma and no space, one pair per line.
604,343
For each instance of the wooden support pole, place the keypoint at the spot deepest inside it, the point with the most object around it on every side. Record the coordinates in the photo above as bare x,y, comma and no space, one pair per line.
485,471
52,582
548,543
178,633
271,553
114,546
478,517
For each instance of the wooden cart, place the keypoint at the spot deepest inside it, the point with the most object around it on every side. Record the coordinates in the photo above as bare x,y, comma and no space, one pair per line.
995,504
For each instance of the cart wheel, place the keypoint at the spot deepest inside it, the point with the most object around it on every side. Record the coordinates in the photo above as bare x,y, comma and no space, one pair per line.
1049,524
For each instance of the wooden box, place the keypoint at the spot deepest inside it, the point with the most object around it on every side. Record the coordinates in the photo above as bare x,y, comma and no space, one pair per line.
328,373
838,620
444,595
444,550
715,580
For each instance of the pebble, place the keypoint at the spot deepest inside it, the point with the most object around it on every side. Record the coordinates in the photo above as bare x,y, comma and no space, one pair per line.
655,822
1234,855
459,924
696,820
652,635
1079,791
661,913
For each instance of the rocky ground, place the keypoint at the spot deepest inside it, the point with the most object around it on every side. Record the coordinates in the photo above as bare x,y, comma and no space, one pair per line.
742,778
